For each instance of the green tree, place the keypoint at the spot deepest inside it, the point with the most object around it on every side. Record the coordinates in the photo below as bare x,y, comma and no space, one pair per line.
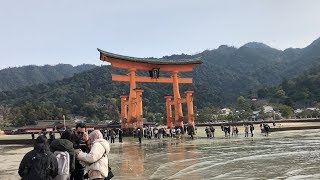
286,111
206,114
280,93
263,115
241,102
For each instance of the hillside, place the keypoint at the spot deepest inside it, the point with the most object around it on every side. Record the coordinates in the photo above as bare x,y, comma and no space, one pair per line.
300,92
226,73
230,72
18,77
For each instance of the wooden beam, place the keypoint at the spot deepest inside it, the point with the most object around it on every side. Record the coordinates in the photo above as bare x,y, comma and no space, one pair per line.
182,100
118,63
116,77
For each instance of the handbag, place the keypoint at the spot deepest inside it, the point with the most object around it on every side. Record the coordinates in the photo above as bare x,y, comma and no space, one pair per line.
110,174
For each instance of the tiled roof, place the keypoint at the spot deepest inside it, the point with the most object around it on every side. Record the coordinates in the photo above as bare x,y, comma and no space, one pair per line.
152,60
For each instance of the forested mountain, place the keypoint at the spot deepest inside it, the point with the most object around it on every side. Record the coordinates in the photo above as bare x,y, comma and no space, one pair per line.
17,77
226,73
300,92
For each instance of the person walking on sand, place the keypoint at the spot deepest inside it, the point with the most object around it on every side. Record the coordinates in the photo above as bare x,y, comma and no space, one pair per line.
139,134
120,133
32,135
266,129
212,130
207,132
112,135
251,129
246,130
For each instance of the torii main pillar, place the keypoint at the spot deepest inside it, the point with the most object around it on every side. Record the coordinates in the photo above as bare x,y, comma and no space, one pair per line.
131,105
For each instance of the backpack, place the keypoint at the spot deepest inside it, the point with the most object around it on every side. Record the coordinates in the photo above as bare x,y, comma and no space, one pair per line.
63,159
39,166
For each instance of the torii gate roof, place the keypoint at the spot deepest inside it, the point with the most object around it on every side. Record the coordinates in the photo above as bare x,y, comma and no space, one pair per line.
149,60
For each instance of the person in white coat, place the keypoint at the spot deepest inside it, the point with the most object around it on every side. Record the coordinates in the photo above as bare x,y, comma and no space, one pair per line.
96,160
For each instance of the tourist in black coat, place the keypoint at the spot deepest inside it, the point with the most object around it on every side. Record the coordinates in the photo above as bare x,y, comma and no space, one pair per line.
39,163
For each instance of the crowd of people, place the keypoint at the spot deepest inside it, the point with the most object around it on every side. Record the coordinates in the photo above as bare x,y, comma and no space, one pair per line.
77,155
112,134
162,132
234,131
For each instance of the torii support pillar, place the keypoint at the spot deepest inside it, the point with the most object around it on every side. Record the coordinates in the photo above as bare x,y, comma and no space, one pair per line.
178,116
132,99
139,111
169,110
124,110
190,107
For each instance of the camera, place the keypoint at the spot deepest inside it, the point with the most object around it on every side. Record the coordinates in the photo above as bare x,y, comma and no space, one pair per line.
80,143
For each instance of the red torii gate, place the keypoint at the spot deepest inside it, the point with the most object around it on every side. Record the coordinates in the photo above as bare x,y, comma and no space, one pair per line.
131,105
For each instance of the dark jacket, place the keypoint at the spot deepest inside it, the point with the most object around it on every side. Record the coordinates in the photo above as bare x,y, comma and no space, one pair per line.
140,134
29,170
79,143
64,145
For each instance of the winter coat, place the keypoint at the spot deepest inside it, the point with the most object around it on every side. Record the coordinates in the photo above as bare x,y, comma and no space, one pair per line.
251,127
28,170
246,128
139,134
96,160
64,145
76,145
113,134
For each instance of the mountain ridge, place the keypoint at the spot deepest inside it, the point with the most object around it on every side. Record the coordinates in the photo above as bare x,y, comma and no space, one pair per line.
17,77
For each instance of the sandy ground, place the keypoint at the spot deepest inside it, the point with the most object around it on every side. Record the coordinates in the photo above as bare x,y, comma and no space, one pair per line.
10,160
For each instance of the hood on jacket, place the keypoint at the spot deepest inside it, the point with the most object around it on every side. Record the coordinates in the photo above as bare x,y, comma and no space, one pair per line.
104,143
41,147
61,145
41,144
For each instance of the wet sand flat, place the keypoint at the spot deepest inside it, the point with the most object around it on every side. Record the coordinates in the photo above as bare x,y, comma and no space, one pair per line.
281,155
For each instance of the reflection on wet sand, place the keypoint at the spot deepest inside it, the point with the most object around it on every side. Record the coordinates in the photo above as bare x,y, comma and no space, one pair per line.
183,157
132,161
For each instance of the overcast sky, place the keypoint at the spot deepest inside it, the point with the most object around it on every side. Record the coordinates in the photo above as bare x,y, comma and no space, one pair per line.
69,31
